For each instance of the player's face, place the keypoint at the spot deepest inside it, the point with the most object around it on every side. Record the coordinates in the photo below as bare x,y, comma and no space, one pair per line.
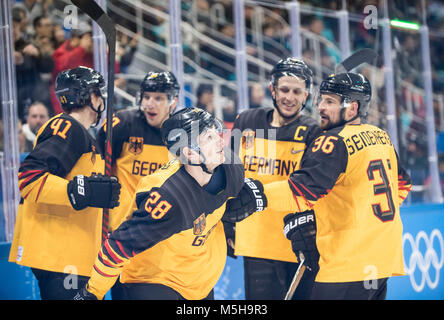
156,107
329,107
290,94
211,145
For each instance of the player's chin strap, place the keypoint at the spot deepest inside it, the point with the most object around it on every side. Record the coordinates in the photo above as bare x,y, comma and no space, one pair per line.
98,111
202,164
342,120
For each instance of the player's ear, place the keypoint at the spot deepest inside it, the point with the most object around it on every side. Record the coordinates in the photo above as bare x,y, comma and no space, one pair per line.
353,109
173,105
189,155
271,88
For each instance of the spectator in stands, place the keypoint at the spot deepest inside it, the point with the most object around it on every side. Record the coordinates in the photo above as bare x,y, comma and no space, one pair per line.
22,16
44,34
37,116
32,8
59,35
205,98
256,95
30,63
43,39
126,49
75,51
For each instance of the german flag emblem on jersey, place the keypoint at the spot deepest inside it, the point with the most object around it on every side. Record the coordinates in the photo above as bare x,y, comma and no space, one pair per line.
247,139
199,224
135,145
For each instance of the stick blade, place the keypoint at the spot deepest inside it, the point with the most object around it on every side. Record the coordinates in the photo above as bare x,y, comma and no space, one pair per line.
96,13
361,56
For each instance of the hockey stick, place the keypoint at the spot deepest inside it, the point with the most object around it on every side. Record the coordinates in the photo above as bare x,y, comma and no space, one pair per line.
296,278
361,56
92,9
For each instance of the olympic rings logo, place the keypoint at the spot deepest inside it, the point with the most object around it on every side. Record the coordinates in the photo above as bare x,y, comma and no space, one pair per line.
431,258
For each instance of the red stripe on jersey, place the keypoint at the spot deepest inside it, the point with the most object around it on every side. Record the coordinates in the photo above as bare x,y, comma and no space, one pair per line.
297,189
25,182
297,202
111,254
41,186
105,262
103,273
119,244
26,173
312,194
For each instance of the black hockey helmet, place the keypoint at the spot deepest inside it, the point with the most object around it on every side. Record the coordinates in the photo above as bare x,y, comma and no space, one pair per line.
350,87
292,67
164,82
183,127
73,87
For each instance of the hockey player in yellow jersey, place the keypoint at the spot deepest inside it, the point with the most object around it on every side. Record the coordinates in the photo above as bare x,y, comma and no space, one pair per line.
350,176
58,228
271,142
138,149
173,246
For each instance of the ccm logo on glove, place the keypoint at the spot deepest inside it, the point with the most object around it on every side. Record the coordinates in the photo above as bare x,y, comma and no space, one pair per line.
297,222
257,194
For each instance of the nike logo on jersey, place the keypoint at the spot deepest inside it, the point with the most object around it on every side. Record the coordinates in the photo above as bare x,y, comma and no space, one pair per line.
295,151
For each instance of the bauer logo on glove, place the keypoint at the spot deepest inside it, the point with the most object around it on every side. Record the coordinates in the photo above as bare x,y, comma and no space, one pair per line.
250,199
258,194
298,221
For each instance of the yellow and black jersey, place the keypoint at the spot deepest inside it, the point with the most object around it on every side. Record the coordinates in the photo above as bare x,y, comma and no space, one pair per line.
268,154
49,233
351,177
137,151
175,236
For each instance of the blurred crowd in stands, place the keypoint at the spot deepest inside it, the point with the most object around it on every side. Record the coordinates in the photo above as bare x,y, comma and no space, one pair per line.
43,47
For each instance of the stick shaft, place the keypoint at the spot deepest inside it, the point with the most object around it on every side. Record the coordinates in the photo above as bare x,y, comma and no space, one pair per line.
296,280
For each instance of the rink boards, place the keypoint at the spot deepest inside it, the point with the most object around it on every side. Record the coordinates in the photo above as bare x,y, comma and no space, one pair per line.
423,258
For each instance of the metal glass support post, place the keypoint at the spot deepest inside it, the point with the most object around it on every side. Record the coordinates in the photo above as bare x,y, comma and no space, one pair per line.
389,78
241,56
294,9
344,31
100,53
11,194
435,186
176,48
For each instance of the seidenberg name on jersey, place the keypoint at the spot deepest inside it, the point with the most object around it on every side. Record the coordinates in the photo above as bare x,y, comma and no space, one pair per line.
365,139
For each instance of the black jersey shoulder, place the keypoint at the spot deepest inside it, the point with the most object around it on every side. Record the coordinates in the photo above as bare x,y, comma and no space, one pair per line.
254,118
303,129
134,124
65,130
60,143
172,206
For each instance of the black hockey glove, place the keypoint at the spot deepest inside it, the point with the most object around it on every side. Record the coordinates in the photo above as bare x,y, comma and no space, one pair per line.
84,294
96,191
250,199
300,229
